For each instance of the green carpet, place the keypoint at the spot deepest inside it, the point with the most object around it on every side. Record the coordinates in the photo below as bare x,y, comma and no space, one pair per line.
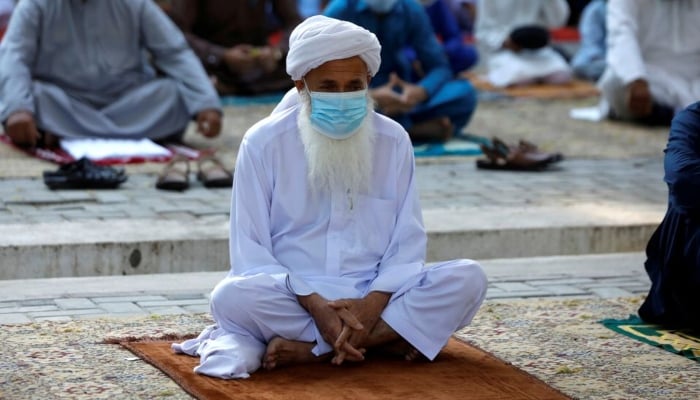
682,341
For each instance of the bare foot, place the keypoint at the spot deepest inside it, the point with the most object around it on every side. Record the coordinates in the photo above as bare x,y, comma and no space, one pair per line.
435,130
50,141
281,352
402,349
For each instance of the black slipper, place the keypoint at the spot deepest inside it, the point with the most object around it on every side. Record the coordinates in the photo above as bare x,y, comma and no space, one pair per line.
84,174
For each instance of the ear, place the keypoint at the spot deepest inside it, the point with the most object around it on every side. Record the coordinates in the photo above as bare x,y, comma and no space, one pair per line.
299,85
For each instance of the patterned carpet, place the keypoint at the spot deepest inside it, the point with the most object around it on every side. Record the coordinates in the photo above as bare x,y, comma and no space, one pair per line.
559,341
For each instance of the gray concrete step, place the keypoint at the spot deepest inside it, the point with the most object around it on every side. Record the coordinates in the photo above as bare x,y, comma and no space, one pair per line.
585,206
128,247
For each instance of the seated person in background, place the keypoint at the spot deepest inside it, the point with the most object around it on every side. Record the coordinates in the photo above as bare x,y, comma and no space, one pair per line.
462,56
673,252
73,69
327,240
465,13
653,59
431,107
232,40
513,38
308,8
589,61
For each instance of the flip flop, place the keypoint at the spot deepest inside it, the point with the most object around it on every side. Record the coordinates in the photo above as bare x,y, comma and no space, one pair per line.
175,175
212,172
84,174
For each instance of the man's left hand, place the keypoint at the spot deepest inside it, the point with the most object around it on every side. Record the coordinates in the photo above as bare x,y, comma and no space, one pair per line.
367,311
209,123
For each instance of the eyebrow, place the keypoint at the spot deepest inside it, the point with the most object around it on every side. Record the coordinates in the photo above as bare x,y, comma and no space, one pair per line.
332,82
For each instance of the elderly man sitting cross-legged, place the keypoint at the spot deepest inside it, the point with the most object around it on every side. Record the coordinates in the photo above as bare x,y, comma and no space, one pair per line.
327,241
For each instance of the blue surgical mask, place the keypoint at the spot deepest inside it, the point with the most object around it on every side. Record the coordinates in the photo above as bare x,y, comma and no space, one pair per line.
338,115
381,6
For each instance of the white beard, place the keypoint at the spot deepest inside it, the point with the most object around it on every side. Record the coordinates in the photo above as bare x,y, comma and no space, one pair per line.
334,164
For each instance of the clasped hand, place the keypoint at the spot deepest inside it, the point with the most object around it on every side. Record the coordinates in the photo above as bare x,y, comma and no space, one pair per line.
245,59
398,96
346,323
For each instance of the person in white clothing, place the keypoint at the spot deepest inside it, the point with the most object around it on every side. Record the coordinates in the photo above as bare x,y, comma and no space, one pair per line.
327,241
513,39
653,59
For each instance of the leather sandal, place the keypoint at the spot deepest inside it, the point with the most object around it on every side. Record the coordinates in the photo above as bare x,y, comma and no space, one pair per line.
532,148
500,156
175,175
212,172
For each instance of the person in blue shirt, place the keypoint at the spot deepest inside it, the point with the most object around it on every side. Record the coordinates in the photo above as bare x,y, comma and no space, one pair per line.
432,106
462,56
589,60
673,252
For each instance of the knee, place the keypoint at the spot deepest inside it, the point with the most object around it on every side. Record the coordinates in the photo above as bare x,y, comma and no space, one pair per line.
473,272
461,275
472,278
232,298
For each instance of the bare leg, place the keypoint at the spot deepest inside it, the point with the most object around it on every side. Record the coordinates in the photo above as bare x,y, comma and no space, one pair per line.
281,352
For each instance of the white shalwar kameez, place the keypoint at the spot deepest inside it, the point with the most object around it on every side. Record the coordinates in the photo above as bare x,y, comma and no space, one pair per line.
496,19
655,40
286,241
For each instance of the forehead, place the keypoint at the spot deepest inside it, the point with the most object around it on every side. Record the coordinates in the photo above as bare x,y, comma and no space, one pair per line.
340,71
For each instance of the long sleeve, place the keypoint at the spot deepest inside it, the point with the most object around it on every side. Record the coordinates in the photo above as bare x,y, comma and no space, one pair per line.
405,254
682,160
250,242
592,29
624,52
172,55
17,55
185,13
429,51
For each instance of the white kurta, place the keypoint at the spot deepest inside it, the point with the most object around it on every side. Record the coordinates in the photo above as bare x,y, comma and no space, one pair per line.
286,241
656,40
85,69
496,19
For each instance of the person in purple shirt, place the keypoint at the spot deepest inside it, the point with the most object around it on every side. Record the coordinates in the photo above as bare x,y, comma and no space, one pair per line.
462,56
432,106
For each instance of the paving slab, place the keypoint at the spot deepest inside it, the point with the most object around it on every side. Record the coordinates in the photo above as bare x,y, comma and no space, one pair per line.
188,292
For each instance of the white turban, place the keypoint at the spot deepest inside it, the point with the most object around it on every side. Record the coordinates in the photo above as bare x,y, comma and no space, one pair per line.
320,39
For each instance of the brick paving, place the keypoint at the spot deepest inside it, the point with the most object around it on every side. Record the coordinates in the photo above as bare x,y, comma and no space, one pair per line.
441,185
155,303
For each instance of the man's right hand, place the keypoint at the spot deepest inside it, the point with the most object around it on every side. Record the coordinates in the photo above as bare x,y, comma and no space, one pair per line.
330,322
21,128
639,98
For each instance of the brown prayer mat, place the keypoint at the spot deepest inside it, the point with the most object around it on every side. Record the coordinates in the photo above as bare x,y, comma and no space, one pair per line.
572,90
459,371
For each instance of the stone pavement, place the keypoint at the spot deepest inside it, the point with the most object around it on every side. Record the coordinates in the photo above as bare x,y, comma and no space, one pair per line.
65,299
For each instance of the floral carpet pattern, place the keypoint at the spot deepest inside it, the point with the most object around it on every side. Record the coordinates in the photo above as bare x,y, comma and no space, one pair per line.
559,341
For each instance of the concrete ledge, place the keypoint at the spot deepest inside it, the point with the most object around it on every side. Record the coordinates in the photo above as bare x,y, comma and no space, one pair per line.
130,247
